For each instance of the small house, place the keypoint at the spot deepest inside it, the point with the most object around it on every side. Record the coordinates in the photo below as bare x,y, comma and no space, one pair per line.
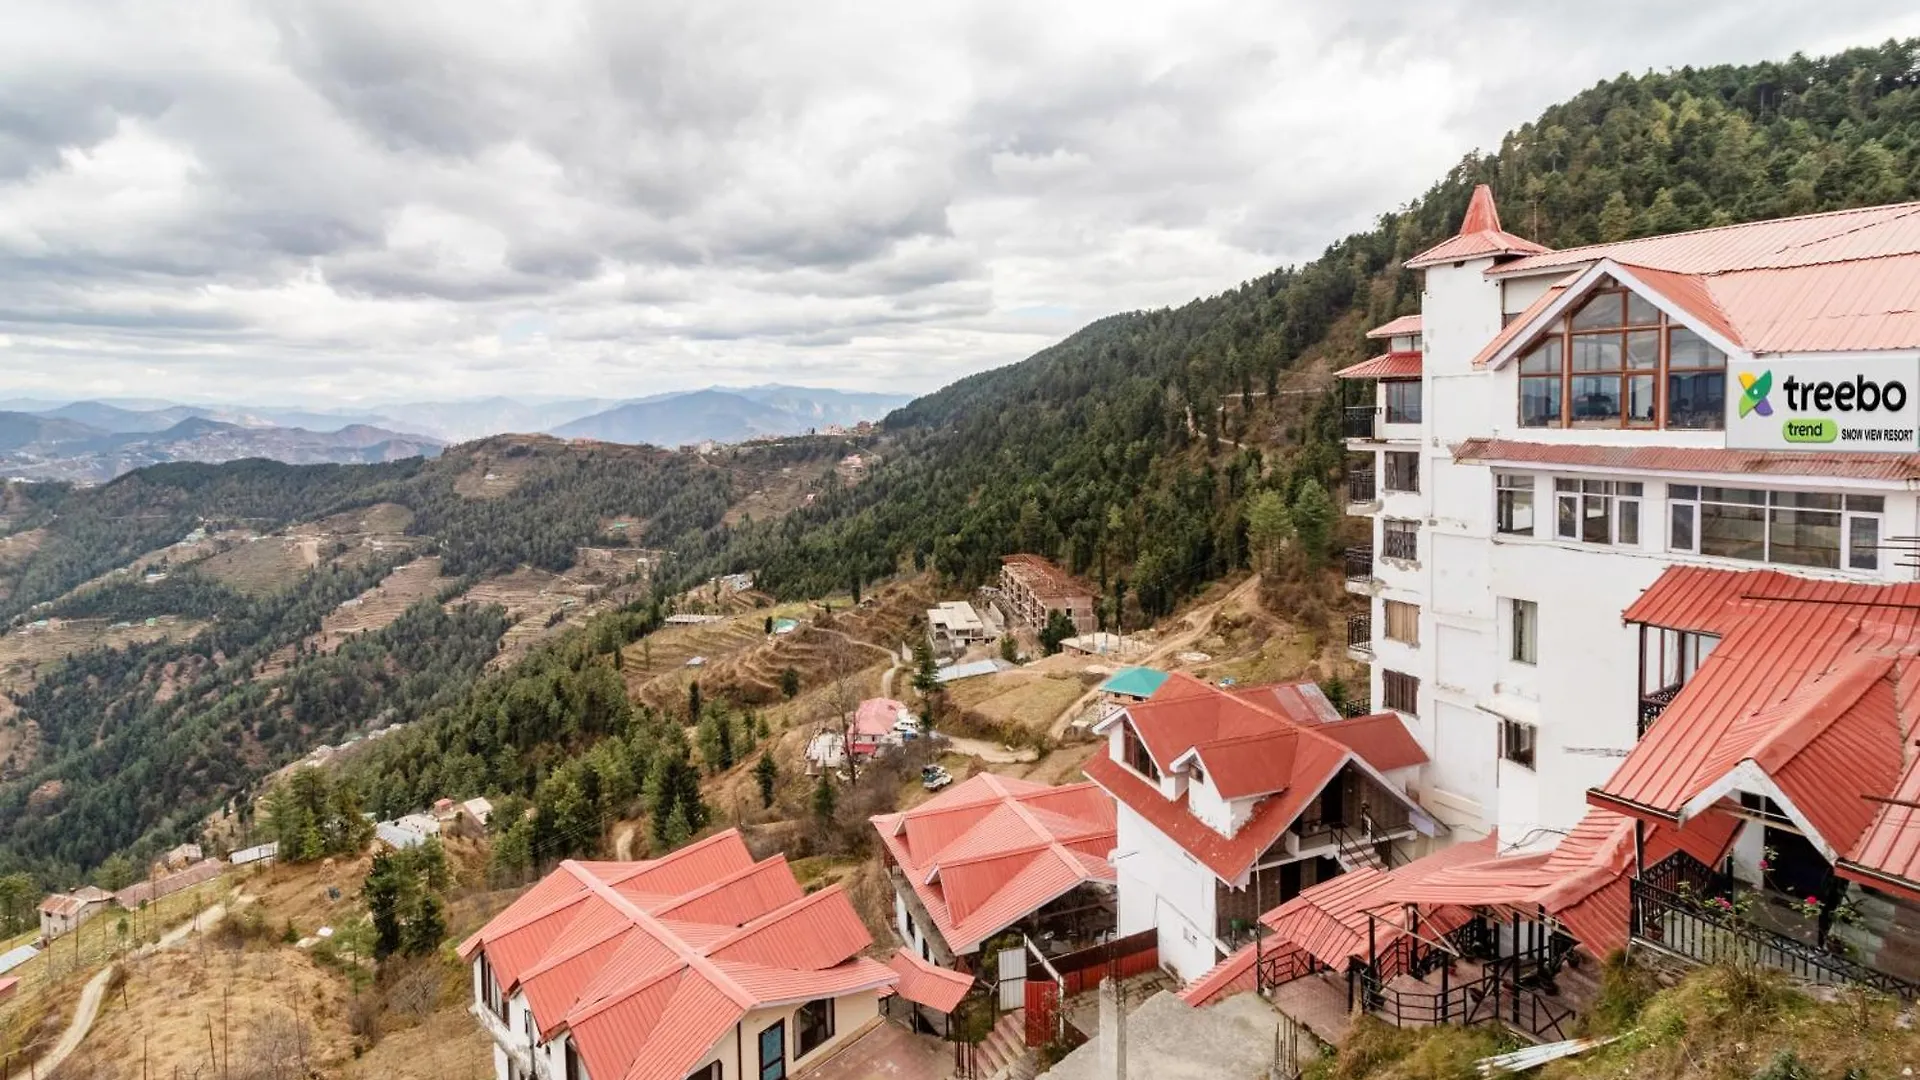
63,913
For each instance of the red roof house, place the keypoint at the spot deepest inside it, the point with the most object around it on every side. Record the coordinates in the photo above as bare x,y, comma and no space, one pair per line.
993,852
1214,785
651,970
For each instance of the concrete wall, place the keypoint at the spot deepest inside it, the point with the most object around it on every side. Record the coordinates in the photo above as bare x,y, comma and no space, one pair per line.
1163,887
741,1046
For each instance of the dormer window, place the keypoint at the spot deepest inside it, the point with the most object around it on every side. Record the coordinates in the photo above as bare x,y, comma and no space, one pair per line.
1135,754
1618,361
1197,774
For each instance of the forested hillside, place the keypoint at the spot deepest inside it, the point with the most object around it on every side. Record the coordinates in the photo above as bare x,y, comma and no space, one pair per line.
1085,451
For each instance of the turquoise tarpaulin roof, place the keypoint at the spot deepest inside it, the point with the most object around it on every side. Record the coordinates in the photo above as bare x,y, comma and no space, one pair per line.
1140,682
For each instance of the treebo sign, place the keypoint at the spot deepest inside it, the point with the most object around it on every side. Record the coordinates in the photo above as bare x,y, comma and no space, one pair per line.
1861,394
1870,404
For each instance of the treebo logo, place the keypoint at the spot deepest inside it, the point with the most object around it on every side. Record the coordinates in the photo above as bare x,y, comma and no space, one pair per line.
1754,396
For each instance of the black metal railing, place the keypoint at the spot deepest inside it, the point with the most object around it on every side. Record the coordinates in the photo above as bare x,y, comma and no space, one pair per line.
1283,965
1355,707
1680,907
1400,544
1360,633
1357,421
1360,487
1359,563
1653,704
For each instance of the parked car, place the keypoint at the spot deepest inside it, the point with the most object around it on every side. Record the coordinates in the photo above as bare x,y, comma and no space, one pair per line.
933,778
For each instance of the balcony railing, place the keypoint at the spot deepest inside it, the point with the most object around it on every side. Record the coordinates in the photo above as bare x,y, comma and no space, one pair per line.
1675,909
1360,487
1359,564
1358,421
1401,544
1360,633
1653,704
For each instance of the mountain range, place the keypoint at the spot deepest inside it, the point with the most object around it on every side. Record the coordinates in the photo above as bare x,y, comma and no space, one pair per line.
96,440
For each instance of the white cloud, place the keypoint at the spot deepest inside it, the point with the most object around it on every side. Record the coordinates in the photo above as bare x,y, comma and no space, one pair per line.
220,199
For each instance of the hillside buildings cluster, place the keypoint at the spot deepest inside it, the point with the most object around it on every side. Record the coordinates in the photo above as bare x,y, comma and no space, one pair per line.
1639,623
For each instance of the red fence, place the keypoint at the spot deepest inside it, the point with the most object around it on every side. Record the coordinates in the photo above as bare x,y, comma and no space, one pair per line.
1120,958
1043,1005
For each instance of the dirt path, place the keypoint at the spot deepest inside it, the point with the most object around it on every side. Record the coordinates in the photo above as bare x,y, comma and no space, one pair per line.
623,843
96,989
993,753
1190,628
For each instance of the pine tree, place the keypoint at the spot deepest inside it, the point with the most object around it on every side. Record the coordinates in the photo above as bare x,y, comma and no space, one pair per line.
1268,528
1313,520
426,928
825,799
790,683
766,774
726,741
1616,218
383,894
693,702
926,674
678,831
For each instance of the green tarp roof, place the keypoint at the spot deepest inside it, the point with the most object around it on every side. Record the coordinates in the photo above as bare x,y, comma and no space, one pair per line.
1140,682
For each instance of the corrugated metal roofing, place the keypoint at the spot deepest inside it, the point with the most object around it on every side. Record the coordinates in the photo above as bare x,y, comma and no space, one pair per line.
993,849
1381,740
925,984
646,996
877,716
1706,461
1480,235
1250,765
1234,975
1519,324
7,987
1393,365
15,957
1837,236
1300,701
1400,327
1808,684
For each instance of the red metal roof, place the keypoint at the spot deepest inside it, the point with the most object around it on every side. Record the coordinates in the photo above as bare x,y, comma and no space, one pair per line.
927,984
1393,365
876,716
1381,740
993,849
1690,460
1247,745
7,987
1810,685
1403,326
1330,920
1480,236
1519,324
646,995
1871,232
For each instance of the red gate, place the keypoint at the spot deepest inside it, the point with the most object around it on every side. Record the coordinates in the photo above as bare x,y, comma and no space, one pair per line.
1043,1007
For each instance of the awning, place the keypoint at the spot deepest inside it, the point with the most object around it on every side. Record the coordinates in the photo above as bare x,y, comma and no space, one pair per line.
926,984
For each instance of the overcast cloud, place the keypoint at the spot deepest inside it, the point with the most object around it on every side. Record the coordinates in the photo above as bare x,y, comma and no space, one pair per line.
360,200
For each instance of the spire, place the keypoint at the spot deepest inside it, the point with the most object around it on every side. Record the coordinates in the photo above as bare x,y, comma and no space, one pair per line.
1482,216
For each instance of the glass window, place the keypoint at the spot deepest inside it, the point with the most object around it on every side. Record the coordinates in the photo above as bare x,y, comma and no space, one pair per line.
1540,401
1400,539
1688,350
1596,399
1640,403
1513,503
1863,542
1603,310
1696,400
1866,504
1526,631
1137,757
1680,535
1543,359
814,1022
1643,350
1403,471
773,1051
1566,523
1731,531
1596,518
1596,352
1627,522
1640,312
1804,538
1516,742
1403,400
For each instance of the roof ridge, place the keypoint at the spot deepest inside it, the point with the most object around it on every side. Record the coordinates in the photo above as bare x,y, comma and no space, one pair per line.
778,858
580,1014
1833,701
747,930
693,958
1909,207
1025,814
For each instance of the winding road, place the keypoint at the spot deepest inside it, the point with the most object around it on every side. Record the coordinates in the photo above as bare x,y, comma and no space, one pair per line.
96,989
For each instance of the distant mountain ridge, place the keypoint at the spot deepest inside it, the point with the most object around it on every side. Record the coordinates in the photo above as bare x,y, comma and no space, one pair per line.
45,446
727,416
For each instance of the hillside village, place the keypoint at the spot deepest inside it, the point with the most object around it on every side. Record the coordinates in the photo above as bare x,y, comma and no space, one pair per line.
1571,733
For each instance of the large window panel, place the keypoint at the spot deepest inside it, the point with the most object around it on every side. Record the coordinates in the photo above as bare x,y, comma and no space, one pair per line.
1618,362
1804,529
1402,400
1733,532
1513,503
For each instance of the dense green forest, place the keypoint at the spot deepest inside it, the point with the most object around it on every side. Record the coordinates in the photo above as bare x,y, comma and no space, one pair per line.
1152,451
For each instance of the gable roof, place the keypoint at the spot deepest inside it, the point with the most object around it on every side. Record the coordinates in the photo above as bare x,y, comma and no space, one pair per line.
1845,280
1809,695
1404,326
876,716
645,964
927,984
1381,739
1268,742
991,850
1480,236
1393,365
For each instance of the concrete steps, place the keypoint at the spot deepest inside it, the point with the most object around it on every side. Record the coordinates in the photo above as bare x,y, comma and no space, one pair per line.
1004,1055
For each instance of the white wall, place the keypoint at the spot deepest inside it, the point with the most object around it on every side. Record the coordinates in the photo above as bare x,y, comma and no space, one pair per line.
741,1047
1161,886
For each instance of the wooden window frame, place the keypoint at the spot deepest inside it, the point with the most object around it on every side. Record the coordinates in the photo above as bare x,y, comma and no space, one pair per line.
802,1025
1519,743
1524,647
1387,471
1564,333
1396,688
1133,750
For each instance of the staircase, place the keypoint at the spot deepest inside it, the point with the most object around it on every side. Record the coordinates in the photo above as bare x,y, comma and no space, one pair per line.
1004,1055
1356,852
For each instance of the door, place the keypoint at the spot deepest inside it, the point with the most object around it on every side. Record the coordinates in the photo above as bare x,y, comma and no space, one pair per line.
773,1051
1013,979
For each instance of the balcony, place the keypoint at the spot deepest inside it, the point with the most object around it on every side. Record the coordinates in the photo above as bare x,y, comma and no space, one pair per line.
1360,422
1360,636
1360,487
1653,704
1359,570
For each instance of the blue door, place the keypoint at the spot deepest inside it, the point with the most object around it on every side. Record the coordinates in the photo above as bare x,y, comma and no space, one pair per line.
773,1052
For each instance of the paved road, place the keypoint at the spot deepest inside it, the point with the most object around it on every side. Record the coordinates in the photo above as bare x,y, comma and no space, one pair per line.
96,989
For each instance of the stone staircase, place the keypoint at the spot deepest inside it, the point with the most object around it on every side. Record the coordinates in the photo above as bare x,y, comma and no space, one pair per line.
1004,1056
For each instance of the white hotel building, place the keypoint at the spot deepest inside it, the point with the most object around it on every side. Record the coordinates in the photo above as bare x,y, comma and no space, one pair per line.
1556,428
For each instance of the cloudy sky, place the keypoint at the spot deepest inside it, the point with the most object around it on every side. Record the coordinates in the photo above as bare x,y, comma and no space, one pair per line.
360,200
